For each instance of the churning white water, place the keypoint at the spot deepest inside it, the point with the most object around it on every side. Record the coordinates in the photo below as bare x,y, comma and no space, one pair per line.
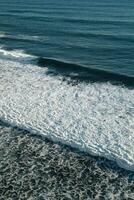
95,117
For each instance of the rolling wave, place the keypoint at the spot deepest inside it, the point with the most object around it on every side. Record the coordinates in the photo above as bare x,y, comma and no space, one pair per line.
43,16
129,38
24,38
97,118
75,72
82,73
16,55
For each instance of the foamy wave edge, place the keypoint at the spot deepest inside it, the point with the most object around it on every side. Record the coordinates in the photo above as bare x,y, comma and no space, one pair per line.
28,38
95,118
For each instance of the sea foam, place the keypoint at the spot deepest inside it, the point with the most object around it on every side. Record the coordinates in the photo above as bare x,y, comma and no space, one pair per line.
97,118
21,37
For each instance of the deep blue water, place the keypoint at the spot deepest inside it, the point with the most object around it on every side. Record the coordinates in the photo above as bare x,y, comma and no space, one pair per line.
97,34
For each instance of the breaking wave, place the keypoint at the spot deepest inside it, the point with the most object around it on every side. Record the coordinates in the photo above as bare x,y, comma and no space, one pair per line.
82,73
95,117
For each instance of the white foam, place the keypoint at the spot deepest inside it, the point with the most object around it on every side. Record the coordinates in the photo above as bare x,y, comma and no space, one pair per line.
2,35
31,38
15,55
97,118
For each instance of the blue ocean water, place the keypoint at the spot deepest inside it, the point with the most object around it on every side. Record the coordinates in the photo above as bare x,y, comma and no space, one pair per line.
96,34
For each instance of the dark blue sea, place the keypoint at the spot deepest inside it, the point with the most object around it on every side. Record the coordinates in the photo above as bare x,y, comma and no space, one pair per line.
67,99
97,34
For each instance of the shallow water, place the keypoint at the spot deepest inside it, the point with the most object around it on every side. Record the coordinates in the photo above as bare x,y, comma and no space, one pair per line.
34,168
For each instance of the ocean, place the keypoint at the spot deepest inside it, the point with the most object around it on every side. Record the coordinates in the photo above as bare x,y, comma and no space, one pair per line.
66,99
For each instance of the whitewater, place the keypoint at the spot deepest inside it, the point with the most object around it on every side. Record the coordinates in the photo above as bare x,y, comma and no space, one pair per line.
97,118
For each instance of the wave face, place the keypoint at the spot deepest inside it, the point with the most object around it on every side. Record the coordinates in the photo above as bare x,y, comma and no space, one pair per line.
80,73
97,118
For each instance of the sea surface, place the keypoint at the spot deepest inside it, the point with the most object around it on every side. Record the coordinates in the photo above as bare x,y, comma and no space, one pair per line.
67,76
